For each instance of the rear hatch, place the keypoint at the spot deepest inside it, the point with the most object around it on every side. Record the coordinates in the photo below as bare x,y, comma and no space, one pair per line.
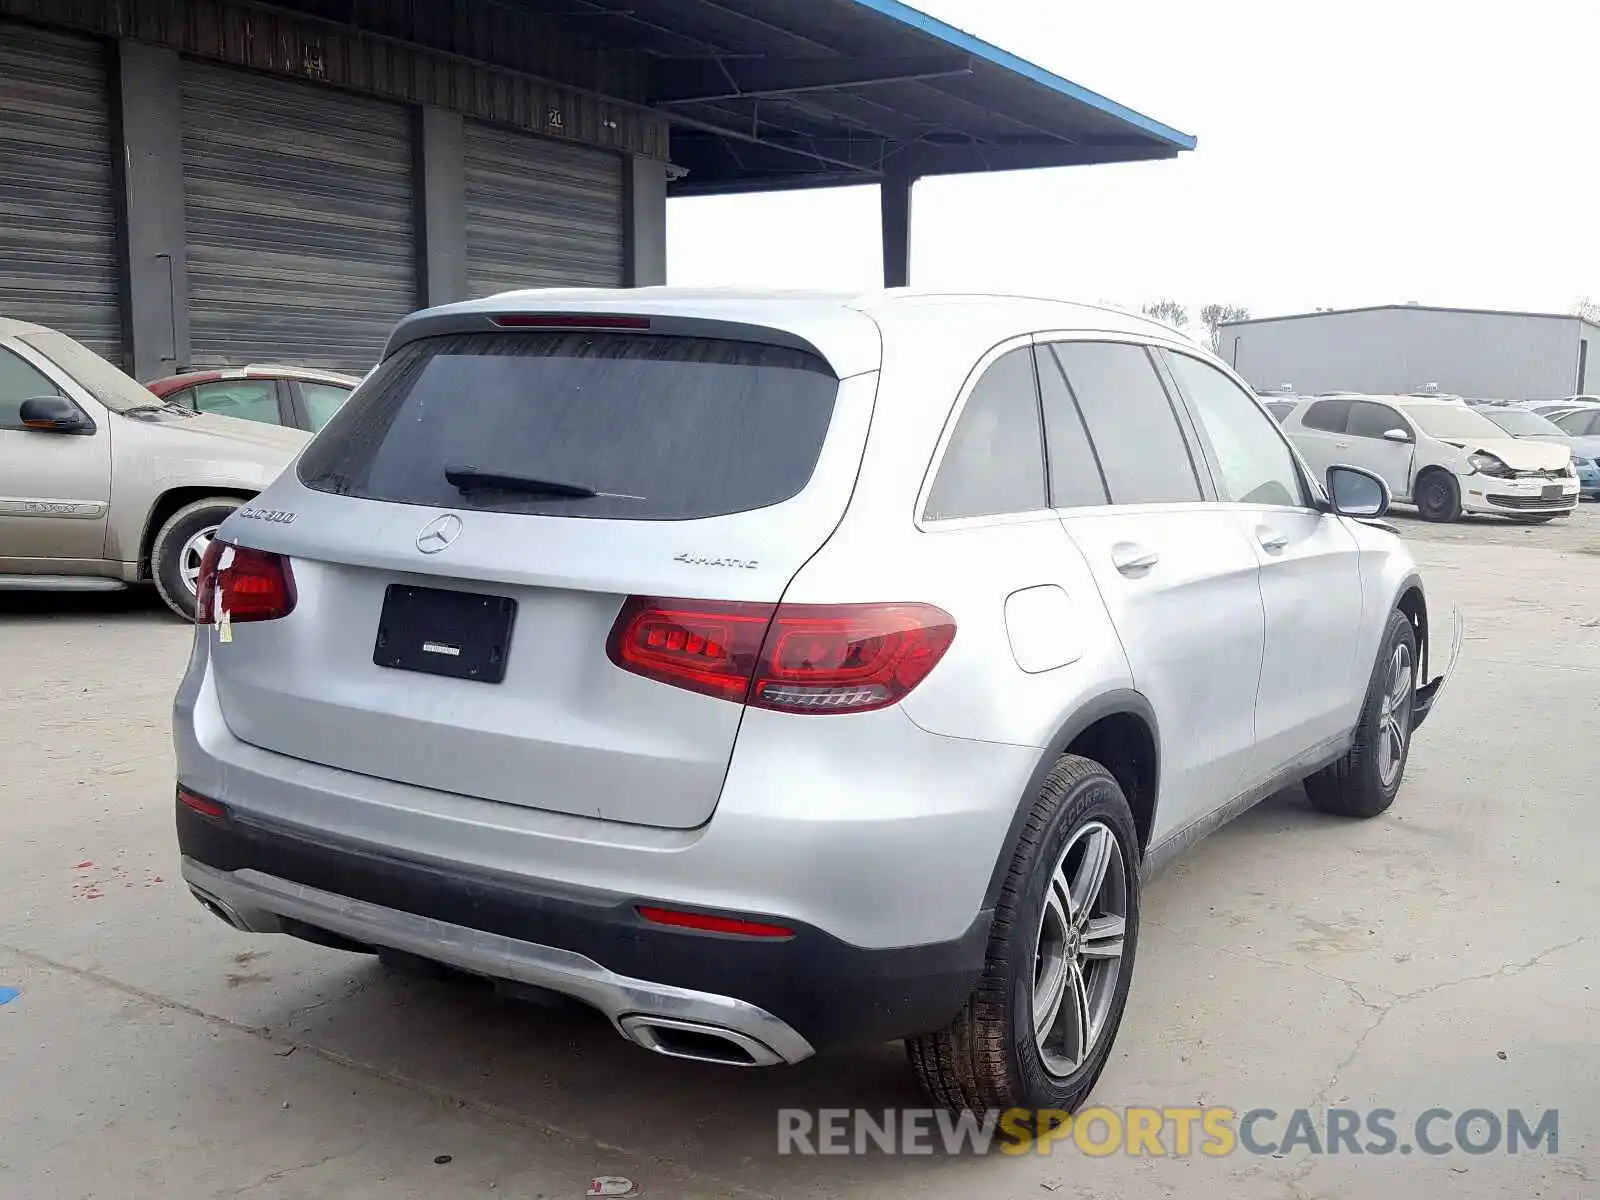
453,606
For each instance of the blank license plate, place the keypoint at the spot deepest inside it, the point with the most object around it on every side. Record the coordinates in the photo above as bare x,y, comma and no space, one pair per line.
1552,492
463,635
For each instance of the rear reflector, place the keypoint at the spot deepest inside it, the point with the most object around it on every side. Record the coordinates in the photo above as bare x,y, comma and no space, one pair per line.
799,658
205,807
244,584
709,924
569,321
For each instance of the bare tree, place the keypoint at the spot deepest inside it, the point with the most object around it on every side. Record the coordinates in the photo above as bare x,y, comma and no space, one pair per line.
1588,309
1214,316
1168,311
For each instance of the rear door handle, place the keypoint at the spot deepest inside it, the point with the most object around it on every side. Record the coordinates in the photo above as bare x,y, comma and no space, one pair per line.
1271,539
1341,445
1130,557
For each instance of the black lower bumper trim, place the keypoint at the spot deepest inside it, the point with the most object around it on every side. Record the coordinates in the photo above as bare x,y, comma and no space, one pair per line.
830,992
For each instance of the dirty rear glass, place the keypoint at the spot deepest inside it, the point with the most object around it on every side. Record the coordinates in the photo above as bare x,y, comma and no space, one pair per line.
664,428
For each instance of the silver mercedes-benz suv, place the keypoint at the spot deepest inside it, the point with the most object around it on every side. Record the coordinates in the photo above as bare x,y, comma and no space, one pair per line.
777,672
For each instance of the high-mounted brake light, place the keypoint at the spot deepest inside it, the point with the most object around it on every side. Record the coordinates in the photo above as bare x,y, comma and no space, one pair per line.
798,658
706,923
246,584
569,321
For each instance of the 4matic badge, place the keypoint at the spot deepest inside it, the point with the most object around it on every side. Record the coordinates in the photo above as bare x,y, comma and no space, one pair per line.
694,560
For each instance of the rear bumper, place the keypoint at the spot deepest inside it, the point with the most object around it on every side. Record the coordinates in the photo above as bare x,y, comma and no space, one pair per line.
785,998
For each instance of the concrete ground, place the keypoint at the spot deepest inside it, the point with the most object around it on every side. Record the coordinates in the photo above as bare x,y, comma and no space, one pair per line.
1443,955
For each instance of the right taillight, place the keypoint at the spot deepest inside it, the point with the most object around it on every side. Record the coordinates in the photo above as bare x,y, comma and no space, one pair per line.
799,658
246,584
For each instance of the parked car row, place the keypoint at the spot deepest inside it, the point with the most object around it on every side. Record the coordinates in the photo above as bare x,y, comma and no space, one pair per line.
106,483
1440,454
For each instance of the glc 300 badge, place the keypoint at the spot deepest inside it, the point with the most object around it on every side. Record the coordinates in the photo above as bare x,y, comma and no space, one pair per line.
276,515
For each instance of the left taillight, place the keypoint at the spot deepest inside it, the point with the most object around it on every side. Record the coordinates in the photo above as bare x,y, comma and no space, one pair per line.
796,658
246,584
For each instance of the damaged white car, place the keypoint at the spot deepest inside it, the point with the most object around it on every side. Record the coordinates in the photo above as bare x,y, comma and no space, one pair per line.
1439,455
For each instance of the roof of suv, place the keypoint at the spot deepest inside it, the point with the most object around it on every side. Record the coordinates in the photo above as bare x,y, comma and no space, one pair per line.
846,328
184,379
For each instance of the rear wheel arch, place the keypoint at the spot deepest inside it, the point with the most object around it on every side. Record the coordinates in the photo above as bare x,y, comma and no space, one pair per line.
170,502
1116,729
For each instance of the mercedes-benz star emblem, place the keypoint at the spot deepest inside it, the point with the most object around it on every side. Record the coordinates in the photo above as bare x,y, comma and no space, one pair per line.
439,533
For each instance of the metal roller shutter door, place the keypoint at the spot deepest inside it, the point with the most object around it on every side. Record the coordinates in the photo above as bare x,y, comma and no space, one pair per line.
58,246
298,207
540,213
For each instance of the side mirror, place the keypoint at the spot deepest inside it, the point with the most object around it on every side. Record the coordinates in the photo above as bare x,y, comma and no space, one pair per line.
54,414
1357,493
1397,435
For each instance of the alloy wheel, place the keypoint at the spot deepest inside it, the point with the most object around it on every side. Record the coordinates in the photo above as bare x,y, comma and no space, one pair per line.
1394,715
193,552
1078,953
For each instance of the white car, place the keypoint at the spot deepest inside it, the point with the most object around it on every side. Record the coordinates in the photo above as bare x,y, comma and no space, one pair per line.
1437,454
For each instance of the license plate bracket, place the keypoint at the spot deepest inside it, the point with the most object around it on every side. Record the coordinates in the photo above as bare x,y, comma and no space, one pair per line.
461,635
1551,491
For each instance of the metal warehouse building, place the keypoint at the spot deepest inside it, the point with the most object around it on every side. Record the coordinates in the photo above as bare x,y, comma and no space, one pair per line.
1395,349
191,183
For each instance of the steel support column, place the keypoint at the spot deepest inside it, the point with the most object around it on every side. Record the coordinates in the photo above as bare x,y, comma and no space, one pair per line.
895,201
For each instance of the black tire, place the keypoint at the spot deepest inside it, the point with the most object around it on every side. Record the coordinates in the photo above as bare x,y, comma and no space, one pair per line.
168,550
1355,785
1438,495
988,1057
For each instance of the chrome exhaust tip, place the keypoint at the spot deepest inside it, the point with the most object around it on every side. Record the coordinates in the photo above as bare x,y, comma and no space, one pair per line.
698,1042
219,910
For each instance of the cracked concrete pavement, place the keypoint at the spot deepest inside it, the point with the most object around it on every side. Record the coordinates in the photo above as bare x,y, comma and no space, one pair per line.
1445,955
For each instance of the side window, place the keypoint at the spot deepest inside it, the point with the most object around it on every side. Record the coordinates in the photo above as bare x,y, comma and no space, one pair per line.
1256,463
1327,415
1578,423
994,462
1280,409
1135,433
1075,478
247,399
18,382
1371,420
183,398
321,401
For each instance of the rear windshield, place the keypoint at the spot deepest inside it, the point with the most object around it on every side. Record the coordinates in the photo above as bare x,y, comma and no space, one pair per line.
662,428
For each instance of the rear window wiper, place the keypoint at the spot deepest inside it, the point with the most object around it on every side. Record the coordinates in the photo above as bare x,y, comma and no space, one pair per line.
475,479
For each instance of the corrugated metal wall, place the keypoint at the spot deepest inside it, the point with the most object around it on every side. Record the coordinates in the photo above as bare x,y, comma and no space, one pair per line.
299,211
1396,350
58,249
539,213
356,51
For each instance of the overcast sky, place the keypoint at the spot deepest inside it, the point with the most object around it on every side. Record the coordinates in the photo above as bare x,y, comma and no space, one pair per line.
1350,152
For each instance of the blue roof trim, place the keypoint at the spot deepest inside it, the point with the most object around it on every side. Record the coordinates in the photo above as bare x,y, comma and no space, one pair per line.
949,34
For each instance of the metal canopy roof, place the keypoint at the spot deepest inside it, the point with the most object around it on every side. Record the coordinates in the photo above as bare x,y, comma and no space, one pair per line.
769,94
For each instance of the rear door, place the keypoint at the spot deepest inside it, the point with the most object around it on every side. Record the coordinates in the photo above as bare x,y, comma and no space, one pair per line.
1176,572
1311,684
719,467
1320,437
